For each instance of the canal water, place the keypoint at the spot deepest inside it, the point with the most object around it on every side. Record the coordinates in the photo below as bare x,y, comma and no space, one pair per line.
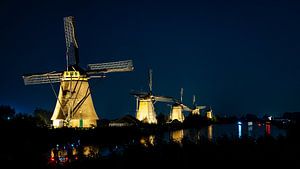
231,131
66,153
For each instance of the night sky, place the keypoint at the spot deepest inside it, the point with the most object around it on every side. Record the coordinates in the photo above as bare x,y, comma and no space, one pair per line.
236,56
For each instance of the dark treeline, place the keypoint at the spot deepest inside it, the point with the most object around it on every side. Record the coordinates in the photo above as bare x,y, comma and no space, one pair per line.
41,118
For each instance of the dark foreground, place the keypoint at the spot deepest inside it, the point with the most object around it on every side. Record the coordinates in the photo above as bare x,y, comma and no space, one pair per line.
28,147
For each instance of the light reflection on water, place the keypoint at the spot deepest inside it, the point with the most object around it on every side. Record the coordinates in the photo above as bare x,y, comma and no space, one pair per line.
90,151
177,135
240,130
210,132
67,153
147,140
250,129
233,131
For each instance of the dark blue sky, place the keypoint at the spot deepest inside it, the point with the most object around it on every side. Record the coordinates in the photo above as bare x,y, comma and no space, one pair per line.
237,56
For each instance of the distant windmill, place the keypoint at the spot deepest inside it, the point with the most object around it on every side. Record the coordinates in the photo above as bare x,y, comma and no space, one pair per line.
177,109
74,106
145,110
209,113
196,109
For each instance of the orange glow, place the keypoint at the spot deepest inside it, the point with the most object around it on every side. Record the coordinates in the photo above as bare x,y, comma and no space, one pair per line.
143,142
52,159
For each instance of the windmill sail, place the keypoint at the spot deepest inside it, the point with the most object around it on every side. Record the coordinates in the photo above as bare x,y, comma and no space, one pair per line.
164,99
44,78
139,94
150,81
120,66
186,108
71,42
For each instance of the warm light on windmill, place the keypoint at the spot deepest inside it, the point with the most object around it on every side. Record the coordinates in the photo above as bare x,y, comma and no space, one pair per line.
145,110
74,105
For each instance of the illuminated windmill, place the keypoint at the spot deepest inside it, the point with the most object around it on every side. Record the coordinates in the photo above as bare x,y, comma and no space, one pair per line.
145,110
177,109
209,113
74,105
196,109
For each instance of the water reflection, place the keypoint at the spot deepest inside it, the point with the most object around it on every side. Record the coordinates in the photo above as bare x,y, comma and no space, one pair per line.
147,140
250,128
90,151
235,131
210,132
64,153
177,136
67,153
240,129
193,135
268,128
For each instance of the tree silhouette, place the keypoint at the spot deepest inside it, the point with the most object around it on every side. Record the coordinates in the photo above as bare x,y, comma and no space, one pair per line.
6,112
42,117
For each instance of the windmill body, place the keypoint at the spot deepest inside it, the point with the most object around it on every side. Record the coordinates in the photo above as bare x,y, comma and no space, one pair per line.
209,114
177,109
177,113
196,110
145,111
177,136
74,105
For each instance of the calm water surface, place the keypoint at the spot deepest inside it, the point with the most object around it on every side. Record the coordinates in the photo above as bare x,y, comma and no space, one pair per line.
233,131
66,153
